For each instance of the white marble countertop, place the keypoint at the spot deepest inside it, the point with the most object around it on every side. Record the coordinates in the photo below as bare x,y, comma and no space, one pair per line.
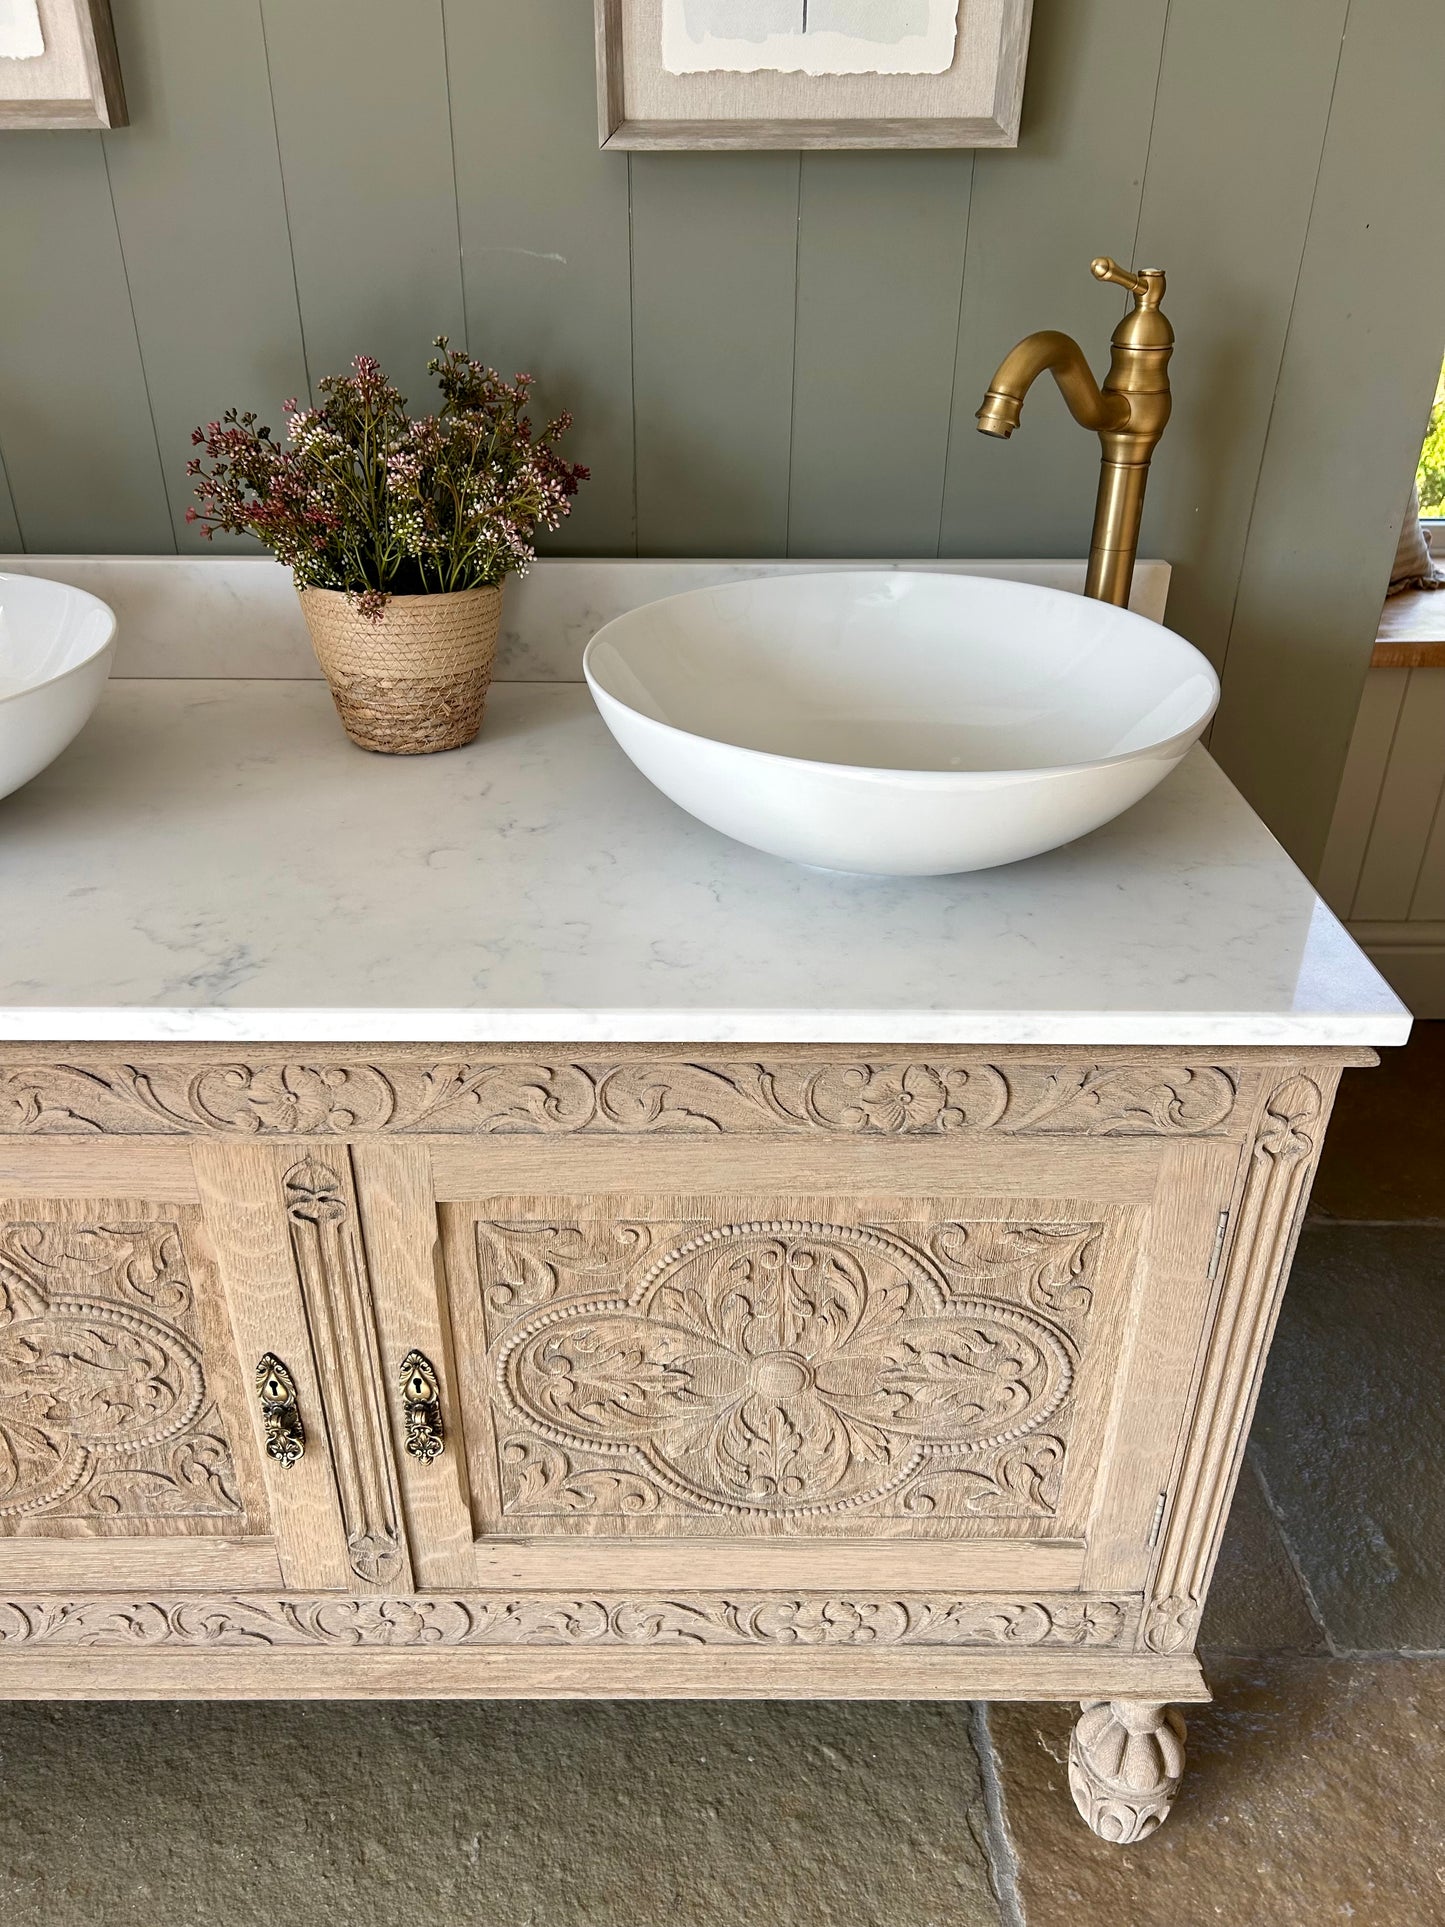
213,860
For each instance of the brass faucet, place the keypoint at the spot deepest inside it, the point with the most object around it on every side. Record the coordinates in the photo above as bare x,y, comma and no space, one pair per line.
1128,414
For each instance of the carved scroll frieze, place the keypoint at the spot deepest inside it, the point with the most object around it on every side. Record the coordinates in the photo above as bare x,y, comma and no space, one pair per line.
336,1290
105,1412
1288,1133
326,1098
730,1619
779,1372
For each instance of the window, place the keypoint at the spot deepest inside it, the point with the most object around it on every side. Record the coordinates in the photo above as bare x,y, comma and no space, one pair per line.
1432,470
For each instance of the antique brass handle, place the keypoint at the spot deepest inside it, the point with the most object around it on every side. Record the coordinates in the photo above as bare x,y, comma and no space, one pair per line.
422,1406
285,1434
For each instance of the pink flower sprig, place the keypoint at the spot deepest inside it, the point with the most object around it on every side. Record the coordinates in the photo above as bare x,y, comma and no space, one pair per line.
365,498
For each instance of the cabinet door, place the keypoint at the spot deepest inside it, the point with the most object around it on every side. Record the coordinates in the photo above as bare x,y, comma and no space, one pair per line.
135,1453
128,1454
299,1285
936,1365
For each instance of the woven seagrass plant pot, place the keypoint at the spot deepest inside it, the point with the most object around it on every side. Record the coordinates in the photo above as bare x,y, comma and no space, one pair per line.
417,680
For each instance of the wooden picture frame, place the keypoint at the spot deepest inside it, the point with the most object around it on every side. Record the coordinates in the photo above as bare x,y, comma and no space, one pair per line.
977,103
76,81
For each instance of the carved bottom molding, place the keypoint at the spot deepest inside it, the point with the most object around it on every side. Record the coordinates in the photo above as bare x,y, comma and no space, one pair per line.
741,1619
1126,1760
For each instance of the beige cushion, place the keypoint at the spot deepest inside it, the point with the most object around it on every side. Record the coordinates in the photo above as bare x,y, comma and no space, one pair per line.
1414,566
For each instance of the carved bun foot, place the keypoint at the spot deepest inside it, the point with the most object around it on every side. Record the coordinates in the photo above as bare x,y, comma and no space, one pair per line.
1126,1760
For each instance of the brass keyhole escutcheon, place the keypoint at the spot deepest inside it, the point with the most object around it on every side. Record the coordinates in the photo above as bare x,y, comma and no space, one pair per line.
285,1434
422,1408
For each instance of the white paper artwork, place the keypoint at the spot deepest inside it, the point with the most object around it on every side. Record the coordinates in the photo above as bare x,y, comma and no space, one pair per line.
809,36
20,35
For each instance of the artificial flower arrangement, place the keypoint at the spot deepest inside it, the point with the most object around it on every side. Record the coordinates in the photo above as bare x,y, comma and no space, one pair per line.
399,532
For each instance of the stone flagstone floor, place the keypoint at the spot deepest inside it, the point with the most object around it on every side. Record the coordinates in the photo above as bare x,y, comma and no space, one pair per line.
1316,1784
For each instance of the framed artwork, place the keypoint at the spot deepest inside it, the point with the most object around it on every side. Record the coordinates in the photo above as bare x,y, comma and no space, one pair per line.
810,73
58,65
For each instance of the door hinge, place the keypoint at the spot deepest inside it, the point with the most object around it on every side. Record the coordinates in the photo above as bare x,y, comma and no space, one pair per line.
1218,1252
1158,1521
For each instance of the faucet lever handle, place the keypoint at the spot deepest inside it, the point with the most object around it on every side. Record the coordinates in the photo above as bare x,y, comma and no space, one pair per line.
1105,268
1146,286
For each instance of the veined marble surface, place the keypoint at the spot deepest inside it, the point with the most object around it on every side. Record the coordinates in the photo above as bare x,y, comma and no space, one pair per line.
215,861
228,615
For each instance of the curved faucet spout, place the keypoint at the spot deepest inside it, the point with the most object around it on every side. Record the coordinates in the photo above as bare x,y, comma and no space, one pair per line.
1128,414
1060,355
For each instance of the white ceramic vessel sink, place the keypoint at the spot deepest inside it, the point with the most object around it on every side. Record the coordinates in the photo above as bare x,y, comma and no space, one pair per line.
55,649
901,723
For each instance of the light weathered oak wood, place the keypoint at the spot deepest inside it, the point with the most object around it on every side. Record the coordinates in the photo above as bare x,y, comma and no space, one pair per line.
872,1166
399,1221
97,1168
532,1674
122,1413
238,1184
199,1563
765,1373
1412,631
1285,1147
1158,1358
1126,1760
735,1365
979,1566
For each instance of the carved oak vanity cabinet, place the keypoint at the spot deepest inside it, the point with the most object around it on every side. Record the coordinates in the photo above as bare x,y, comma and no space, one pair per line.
791,1372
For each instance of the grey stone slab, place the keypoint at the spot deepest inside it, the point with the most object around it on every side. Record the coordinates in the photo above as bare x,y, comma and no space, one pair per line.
512,1815
1350,1432
1256,1603
1313,1794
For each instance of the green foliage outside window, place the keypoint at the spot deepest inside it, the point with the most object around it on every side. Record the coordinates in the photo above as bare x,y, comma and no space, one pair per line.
1432,457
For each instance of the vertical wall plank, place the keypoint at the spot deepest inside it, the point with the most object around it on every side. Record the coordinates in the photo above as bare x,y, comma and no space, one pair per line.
880,263
1409,798
1429,898
202,220
75,424
360,92
1230,229
545,247
1070,191
1359,795
714,269
10,543
1360,362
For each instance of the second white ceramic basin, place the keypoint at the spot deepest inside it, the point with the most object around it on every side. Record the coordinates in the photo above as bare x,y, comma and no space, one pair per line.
900,723
55,649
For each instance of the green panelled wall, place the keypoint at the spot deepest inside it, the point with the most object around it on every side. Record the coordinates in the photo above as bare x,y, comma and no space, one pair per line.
770,354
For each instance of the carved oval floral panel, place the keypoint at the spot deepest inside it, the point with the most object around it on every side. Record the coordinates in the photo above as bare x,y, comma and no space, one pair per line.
104,1408
784,1368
